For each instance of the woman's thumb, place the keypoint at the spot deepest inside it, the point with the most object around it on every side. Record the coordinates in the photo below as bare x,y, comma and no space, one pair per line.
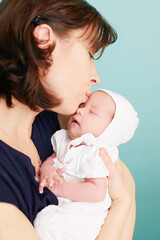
106,159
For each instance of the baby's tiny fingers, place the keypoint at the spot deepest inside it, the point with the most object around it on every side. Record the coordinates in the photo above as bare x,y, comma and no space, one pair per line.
50,183
53,155
37,178
42,185
57,179
61,171
41,189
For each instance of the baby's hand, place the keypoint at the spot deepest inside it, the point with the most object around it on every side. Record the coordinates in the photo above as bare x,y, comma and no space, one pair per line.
49,175
51,179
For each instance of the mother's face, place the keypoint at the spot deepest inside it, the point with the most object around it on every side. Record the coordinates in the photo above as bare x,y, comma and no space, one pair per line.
72,73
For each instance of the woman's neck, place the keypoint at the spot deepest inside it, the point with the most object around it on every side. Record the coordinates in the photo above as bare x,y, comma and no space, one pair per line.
16,130
16,121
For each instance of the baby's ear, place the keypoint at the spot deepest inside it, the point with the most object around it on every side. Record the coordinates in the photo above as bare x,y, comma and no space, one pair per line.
44,35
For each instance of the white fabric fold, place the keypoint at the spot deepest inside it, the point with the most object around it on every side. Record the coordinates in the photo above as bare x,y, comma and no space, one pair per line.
125,121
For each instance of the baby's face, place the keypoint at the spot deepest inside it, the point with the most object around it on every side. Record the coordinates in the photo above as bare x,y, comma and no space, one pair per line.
93,116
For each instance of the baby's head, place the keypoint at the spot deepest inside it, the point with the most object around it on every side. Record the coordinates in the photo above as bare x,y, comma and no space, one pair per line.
93,116
106,115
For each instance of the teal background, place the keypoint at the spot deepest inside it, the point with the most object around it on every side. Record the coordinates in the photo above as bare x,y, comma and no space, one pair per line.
131,67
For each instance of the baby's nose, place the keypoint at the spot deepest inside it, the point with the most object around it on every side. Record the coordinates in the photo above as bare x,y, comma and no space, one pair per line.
80,111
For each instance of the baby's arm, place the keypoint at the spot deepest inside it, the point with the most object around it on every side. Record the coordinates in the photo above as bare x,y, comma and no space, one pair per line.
92,190
49,175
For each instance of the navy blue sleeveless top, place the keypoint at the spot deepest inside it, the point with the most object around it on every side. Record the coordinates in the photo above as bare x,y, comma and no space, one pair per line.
17,182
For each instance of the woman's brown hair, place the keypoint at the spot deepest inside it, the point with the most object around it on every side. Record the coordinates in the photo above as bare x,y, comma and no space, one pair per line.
20,57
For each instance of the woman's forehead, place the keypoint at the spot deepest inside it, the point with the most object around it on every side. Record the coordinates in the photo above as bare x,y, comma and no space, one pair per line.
85,35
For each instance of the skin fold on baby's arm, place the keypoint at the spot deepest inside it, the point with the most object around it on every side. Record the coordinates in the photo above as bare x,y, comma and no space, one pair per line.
91,190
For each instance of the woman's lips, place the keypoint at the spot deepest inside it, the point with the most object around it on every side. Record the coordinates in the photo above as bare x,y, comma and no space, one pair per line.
87,96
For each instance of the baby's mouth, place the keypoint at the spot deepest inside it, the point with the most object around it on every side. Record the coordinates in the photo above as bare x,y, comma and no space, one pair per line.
75,121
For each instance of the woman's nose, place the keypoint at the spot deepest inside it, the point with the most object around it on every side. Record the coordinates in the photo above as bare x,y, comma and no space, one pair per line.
94,78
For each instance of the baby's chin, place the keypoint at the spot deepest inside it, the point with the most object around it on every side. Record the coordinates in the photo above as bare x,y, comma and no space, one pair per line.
73,135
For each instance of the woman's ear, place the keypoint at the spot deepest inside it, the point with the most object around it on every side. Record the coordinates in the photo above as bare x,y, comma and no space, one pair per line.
44,35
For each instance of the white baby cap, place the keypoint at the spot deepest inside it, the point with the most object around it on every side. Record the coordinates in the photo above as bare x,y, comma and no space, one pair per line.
125,121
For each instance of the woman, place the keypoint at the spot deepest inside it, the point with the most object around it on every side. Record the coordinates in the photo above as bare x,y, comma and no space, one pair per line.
47,53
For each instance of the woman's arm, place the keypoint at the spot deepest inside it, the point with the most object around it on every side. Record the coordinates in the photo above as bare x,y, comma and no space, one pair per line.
120,220
15,225
127,232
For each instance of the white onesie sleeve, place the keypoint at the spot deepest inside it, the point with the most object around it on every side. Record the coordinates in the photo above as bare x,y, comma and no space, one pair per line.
92,166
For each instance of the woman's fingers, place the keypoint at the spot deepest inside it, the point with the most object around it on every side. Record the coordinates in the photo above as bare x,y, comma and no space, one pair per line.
107,160
116,183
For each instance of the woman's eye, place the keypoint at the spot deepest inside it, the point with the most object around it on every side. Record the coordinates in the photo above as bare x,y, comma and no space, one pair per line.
91,56
82,105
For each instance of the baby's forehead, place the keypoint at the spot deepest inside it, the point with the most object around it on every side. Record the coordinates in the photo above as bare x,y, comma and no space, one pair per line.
103,100
101,96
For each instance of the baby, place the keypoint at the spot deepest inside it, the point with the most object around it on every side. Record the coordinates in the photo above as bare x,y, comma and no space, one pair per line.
105,120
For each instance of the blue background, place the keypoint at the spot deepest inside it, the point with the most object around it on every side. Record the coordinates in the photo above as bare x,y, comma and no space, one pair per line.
131,67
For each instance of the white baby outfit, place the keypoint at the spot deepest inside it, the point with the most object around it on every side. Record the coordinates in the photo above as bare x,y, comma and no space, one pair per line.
72,220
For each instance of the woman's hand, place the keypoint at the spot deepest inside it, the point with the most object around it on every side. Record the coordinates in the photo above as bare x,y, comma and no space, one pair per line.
121,184
120,221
